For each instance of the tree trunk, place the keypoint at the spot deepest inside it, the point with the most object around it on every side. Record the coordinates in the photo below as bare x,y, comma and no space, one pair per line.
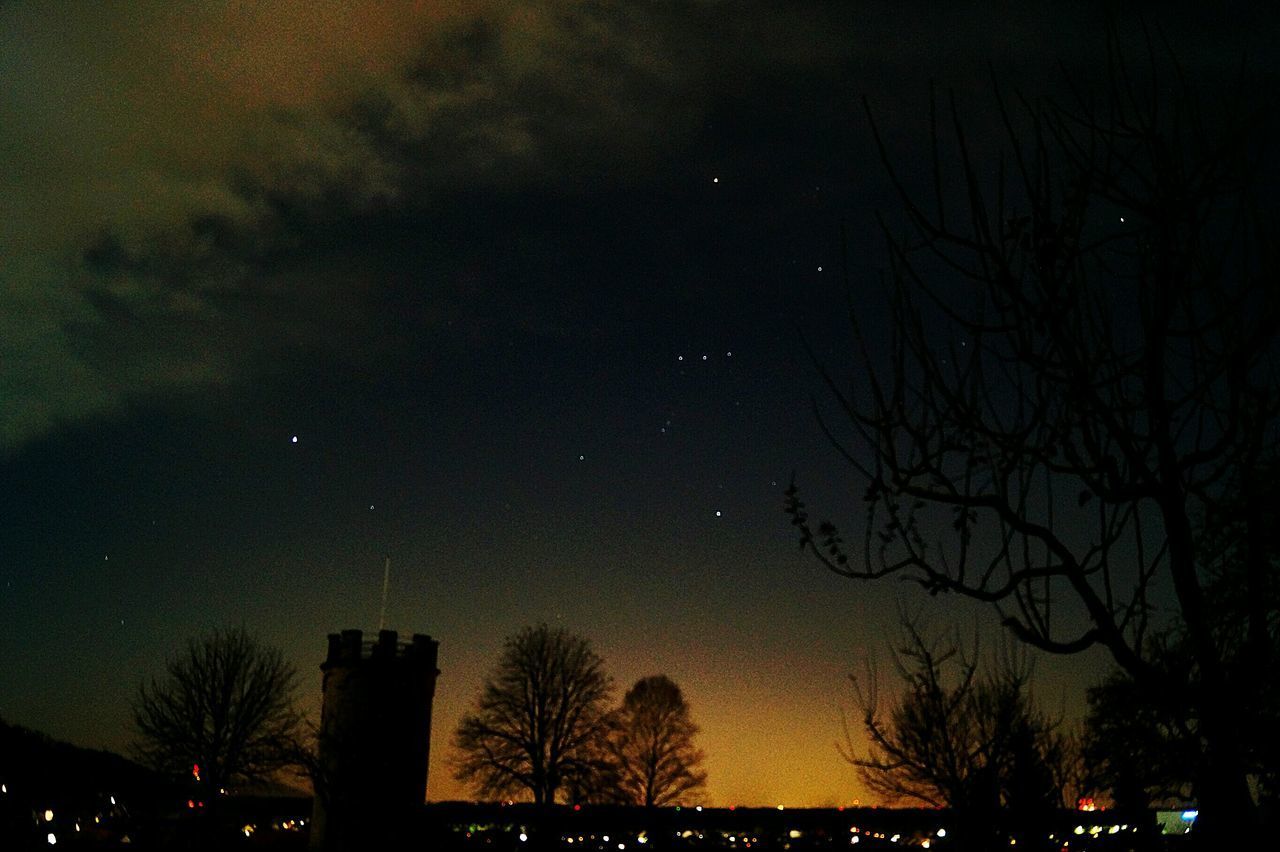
1228,817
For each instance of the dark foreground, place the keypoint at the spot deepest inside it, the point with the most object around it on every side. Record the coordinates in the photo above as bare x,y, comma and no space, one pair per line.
283,823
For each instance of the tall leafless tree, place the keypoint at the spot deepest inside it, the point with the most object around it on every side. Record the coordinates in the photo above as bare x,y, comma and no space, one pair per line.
1081,362
539,722
223,713
652,745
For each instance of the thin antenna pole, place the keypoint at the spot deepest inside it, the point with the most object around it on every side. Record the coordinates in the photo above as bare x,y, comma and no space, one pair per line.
386,582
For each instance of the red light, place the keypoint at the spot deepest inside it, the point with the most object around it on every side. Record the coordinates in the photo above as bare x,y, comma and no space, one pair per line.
191,803
577,807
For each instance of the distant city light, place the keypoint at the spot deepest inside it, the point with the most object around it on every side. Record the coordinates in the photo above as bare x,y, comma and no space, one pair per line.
52,838
48,815
942,832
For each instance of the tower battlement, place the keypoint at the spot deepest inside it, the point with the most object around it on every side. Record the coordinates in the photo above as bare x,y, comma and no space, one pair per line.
350,647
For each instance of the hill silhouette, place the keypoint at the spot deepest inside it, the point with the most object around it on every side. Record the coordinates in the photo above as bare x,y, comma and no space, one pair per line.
35,767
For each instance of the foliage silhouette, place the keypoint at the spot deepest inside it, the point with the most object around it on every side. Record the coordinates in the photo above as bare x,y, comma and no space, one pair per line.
1143,747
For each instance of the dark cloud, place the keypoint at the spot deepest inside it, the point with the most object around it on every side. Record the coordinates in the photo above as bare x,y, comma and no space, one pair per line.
186,193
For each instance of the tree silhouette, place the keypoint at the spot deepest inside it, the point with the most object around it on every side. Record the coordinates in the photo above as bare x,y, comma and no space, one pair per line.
1082,361
222,714
964,739
652,746
540,719
1143,747
1140,752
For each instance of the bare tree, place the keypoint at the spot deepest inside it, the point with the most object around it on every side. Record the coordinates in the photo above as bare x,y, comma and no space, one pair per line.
222,714
540,719
652,745
962,738
1082,360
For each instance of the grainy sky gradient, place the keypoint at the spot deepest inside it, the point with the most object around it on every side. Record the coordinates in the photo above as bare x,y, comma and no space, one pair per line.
525,280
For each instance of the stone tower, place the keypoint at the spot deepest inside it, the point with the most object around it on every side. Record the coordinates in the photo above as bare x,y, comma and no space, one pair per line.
375,737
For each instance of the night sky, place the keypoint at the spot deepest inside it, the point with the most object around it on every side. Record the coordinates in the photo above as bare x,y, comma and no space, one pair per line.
512,293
